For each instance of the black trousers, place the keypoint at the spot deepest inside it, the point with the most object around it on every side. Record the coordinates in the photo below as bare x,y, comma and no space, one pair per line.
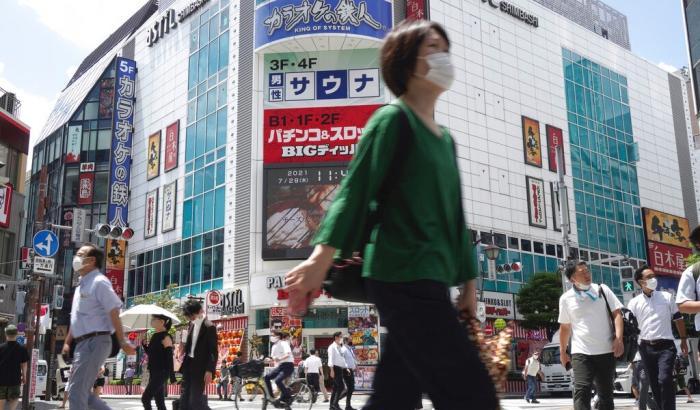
343,379
155,390
659,360
589,370
193,396
420,318
314,380
349,380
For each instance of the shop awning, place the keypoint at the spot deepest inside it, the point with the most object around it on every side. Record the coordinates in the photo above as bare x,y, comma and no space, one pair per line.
14,132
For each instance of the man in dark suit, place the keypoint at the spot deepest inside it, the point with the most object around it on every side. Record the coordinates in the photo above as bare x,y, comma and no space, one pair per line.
201,356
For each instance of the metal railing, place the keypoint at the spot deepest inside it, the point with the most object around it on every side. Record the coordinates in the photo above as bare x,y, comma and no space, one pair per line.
9,102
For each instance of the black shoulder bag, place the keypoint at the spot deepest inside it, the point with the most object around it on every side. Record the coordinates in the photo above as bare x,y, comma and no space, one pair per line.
630,329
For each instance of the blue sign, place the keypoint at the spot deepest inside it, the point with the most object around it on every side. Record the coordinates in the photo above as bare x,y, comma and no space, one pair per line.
45,244
332,85
122,138
280,19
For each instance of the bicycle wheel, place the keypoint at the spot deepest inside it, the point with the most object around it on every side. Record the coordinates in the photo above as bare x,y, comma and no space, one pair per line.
302,395
248,392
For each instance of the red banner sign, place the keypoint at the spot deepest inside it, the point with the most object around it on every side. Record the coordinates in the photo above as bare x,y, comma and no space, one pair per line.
5,205
667,260
172,142
323,134
417,9
554,139
86,188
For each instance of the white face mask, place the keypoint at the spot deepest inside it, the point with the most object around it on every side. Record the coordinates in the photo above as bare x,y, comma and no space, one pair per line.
77,263
651,284
274,339
441,71
583,287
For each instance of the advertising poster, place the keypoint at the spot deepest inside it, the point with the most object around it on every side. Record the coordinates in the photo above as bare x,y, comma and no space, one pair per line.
364,376
150,226
5,205
554,138
116,256
172,146
153,165
363,328
169,206
73,143
280,321
122,139
295,201
86,187
417,10
667,260
330,78
666,228
277,20
532,143
536,202
324,134
106,98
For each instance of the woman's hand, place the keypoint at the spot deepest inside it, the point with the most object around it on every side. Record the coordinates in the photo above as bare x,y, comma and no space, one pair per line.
308,276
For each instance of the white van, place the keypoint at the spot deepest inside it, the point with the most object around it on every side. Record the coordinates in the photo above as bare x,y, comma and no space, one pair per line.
556,378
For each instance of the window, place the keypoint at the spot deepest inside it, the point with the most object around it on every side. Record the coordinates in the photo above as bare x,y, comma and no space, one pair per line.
70,191
7,252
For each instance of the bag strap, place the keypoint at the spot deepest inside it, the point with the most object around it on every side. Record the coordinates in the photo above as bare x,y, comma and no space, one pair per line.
696,275
607,305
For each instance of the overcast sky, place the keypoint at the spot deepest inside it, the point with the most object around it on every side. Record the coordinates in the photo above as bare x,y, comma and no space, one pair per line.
45,41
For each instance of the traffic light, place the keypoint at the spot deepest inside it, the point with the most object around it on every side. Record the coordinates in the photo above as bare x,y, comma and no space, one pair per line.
58,297
113,232
628,286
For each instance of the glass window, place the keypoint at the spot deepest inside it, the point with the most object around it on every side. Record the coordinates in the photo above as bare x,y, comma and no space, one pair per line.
214,25
208,217
540,264
551,250
526,245
203,36
193,71
221,127
100,189
186,269
203,64
218,263
197,213
201,137
187,219
211,130
223,50
190,142
221,177
209,178
196,267
70,191
198,182
206,264
213,56
91,110
219,208
222,95
224,18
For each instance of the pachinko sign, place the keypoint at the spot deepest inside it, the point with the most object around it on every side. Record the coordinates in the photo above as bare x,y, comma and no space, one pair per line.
281,19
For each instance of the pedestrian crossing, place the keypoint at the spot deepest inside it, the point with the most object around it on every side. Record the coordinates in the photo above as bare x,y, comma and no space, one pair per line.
135,404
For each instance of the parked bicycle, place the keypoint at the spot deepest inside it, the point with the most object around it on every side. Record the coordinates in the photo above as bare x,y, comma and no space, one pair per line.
250,385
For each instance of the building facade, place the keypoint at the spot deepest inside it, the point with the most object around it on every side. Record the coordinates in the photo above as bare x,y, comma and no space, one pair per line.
14,145
245,115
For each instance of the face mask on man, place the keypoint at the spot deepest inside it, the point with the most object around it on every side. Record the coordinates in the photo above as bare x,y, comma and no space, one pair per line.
651,284
582,286
78,263
274,339
441,72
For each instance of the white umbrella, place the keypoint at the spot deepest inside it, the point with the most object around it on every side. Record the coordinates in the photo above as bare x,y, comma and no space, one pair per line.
139,316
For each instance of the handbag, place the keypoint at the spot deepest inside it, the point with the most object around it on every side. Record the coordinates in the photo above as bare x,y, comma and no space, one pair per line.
630,330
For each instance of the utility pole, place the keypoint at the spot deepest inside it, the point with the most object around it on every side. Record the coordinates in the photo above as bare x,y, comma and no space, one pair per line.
32,335
563,209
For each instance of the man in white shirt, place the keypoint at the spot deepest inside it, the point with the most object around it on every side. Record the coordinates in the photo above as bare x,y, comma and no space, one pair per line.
584,316
530,372
284,367
688,295
351,360
655,310
340,373
313,366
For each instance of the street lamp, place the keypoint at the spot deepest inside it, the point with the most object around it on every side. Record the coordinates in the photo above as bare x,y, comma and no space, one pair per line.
492,251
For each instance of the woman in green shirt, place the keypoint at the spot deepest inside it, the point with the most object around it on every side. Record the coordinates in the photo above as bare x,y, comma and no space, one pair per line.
420,245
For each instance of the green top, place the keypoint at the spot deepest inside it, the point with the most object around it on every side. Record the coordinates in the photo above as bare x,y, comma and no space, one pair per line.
420,234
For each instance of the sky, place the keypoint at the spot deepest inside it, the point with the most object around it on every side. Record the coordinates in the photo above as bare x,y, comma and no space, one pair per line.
45,41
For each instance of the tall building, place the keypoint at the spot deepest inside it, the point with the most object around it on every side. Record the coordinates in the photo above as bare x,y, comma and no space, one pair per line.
219,131
14,145
691,15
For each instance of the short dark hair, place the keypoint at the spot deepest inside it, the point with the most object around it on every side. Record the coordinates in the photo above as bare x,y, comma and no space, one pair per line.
400,52
312,351
192,307
639,273
571,267
239,354
96,253
695,237
337,335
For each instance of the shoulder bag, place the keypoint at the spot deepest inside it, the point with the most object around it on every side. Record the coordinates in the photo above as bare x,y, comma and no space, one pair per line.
630,328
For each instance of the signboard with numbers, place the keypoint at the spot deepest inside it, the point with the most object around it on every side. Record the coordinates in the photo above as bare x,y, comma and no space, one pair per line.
282,19
327,134
295,201
350,77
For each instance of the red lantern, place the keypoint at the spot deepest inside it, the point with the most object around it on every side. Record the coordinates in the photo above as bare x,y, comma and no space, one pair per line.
132,336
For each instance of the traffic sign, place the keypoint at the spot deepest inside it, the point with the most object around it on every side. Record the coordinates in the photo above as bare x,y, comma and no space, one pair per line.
628,286
45,243
78,230
43,266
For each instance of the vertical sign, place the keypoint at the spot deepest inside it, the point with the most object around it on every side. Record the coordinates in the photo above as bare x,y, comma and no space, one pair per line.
150,221
556,208
86,188
120,167
363,329
554,139
79,221
169,207
536,202
153,167
5,205
417,10
35,369
172,146
75,136
532,143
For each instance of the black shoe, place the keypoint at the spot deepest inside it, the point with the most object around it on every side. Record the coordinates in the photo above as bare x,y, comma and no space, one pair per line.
325,400
534,401
527,400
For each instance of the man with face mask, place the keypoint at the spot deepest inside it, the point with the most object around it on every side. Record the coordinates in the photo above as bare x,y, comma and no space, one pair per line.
201,356
655,310
94,317
531,370
595,342
284,367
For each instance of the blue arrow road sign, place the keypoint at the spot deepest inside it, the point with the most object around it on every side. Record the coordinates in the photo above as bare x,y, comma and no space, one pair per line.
45,244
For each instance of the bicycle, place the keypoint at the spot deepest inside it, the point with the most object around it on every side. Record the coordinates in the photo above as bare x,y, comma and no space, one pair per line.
250,384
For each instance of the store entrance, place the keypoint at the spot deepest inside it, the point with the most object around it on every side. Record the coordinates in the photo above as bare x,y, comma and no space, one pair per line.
321,345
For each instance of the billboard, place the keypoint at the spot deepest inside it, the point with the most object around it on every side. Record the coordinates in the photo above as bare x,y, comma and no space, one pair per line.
327,78
278,20
73,142
667,260
666,228
153,164
554,139
536,203
150,224
116,256
295,201
5,205
169,207
86,188
417,10
532,143
172,146
322,134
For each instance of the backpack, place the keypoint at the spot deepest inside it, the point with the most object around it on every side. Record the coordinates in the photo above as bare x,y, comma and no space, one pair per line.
630,329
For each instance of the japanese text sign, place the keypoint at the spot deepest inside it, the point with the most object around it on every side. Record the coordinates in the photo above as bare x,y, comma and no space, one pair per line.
122,138
417,10
667,260
172,143
281,19
536,202
666,228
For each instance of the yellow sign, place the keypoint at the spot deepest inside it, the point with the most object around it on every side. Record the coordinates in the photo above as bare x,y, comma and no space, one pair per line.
666,228
61,332
153,167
